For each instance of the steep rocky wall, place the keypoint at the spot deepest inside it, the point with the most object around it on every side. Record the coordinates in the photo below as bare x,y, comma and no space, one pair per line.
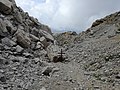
23,44
21,28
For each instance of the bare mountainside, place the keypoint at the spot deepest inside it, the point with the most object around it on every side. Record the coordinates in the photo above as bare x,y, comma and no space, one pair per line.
96,50
32,59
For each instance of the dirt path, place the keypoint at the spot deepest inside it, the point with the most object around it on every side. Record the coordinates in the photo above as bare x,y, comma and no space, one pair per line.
71,77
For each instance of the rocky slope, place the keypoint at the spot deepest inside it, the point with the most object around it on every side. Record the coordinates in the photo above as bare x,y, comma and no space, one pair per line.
23,47
97,51
31,59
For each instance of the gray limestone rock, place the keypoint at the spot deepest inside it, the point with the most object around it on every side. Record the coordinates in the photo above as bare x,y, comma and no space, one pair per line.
23,39
9,27
34,38
44,41
5,6
43,88
46,35
47,70
8,42
19,49
18,16
3,30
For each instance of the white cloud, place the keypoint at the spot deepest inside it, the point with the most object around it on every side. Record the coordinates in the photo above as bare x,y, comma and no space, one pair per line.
76,14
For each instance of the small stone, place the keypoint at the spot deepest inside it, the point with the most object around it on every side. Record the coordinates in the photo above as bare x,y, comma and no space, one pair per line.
2,71
43,88
7,47
3,79
55,70
47,70
118,76
5,87
96,87
2,60
65,79
27,55
36,60
23,39
39,45
19,86
14,68
19,49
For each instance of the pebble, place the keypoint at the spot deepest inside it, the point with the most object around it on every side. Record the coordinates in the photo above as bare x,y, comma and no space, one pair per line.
43,88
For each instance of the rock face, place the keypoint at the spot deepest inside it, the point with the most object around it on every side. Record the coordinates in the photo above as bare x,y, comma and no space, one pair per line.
66,37
5,6
23,39
8,42
23,43
47,35
25,29
3,30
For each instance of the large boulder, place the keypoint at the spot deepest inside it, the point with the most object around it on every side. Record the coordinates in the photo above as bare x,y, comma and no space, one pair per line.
46,28
23,39
34,38
34,20
44,41
8,42
47,70
18,16
13,3
9,27
35,32
3,30
47,35
5,6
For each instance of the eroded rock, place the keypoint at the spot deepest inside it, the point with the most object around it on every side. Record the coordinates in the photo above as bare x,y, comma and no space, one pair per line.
23,39
5,6
3,30
44,41
19,49
47,70
8,42
47,35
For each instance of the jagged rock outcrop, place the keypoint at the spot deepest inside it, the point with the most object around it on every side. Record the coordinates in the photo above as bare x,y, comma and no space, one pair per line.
23,44
66,37
3,30
110,19
21,26
5,6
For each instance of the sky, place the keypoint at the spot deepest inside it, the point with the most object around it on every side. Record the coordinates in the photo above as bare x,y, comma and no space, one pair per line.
67,15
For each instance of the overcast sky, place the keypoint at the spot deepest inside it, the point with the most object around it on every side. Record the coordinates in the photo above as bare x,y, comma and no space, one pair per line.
69,14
